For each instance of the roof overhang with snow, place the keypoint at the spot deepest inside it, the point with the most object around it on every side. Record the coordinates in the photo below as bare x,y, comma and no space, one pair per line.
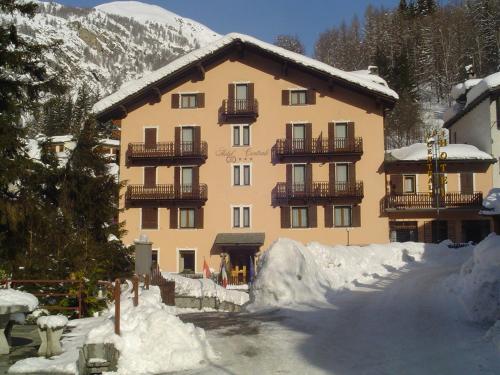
150,85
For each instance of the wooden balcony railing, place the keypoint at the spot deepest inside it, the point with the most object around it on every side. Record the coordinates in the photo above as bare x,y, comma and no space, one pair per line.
320,191
166,193
318,146
167,151
240,108
419,201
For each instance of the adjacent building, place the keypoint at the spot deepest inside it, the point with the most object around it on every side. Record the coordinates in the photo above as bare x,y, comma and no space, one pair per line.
241,142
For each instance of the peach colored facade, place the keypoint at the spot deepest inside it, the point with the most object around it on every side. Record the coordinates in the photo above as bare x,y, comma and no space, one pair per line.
332,105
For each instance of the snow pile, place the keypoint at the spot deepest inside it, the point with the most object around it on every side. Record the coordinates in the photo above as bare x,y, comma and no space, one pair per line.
292,273
478,284
460,89
11,297
418,151
52,321
186,286
491,203
488,83
152,339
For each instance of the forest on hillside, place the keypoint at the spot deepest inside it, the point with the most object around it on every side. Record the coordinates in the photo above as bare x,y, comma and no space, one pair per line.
422,48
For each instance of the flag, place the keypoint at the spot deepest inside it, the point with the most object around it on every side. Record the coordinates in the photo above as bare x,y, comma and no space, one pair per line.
223,273
251,271
206,270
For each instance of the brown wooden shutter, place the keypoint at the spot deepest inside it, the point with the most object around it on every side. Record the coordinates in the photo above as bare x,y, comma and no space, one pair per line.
251,92
396,181
196,178
150,138
331,177
289,132
149,177
200,100
149,218
467,183
289,175
174,213
331,136
285,216
351,173
350,130
230,92
356,216
177,140
311,96
175,100
197,139
312,212
285,97
177,181
199,217
328,216
309,177
308,137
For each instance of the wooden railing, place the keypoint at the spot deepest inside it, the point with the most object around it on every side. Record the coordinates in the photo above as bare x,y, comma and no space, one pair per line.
319,190
427,201
318,146
168,150
240,107
166,192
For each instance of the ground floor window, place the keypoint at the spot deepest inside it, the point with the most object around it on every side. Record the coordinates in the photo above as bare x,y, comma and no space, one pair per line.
403,231
154,256
186,261
299,217
343,215
475,230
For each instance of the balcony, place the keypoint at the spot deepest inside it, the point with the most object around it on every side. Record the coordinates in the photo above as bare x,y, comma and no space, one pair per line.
240,108
425,201
318,192
165,195
317,148
167,153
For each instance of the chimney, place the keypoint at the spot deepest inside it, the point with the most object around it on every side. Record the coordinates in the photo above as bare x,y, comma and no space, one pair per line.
372,69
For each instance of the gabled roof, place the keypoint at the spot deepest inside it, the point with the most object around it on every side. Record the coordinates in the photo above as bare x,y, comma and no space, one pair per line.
417,152
134,89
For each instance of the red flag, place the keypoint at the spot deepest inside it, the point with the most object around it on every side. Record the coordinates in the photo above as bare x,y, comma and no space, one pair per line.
206,270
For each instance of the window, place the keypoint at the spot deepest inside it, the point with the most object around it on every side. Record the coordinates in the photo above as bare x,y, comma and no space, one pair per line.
149,218
341,176
241,217
186,218
341,130
188,101
154,256
241,174
298,97
241,91
343,216
299,177
186,261
409,184
187,180
298,135
187,138
241,135
299,217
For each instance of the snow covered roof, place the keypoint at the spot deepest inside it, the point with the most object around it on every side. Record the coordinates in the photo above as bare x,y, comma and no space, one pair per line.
491,203
136,87
60,138
475,90
366,74
109,142
418,152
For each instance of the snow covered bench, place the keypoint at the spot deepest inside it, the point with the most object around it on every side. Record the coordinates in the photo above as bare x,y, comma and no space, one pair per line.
50,329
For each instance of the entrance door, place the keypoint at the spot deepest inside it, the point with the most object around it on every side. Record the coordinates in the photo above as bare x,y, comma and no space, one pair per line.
240,260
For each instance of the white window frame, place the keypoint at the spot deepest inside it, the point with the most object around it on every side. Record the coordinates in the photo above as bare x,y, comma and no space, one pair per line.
185,94
241,207
307,217
242,174
350,216
240,126
300,89
157,220
178,254
416,183
179,218
157,249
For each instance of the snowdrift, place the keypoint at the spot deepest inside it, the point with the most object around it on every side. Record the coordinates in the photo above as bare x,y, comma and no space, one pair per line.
478,284
292,273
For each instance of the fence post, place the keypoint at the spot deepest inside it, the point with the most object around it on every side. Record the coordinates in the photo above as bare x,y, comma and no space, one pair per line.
117,293
135,286
147,281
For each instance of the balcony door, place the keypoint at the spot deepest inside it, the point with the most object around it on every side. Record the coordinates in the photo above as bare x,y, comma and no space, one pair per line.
150,138
187,180
299,178
341,176
298,137
187,140
241,96
341,135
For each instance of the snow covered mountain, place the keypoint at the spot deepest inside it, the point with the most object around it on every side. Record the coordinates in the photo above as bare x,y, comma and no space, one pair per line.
112,43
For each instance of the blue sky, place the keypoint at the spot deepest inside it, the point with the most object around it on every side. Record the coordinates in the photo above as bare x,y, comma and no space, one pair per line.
264,19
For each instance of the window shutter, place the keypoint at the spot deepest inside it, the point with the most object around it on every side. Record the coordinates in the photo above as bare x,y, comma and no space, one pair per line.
289,137
396,183
285,97
309,177
150,138
331,136
199,217
173,217
175,100
177,181
328,216
149,177
311,96
466,183
352,173
200,100
251,93
308,137
197,139
230,92
289,175
356,216
331,177
177,140
350,130
149,218
312,212
285,216
196,179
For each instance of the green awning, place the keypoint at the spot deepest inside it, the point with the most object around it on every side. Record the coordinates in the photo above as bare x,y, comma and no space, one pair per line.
240,239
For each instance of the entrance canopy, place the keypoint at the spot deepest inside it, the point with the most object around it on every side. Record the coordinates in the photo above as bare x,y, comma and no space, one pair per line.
240,239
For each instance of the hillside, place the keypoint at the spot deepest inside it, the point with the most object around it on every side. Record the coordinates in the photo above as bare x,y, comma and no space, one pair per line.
105,46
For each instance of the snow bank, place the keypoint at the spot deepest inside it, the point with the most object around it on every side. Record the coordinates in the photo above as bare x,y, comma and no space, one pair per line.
478,284
52,321
491,203
152,339
292,273
488,83
186,286
9,297
461,88
418,151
